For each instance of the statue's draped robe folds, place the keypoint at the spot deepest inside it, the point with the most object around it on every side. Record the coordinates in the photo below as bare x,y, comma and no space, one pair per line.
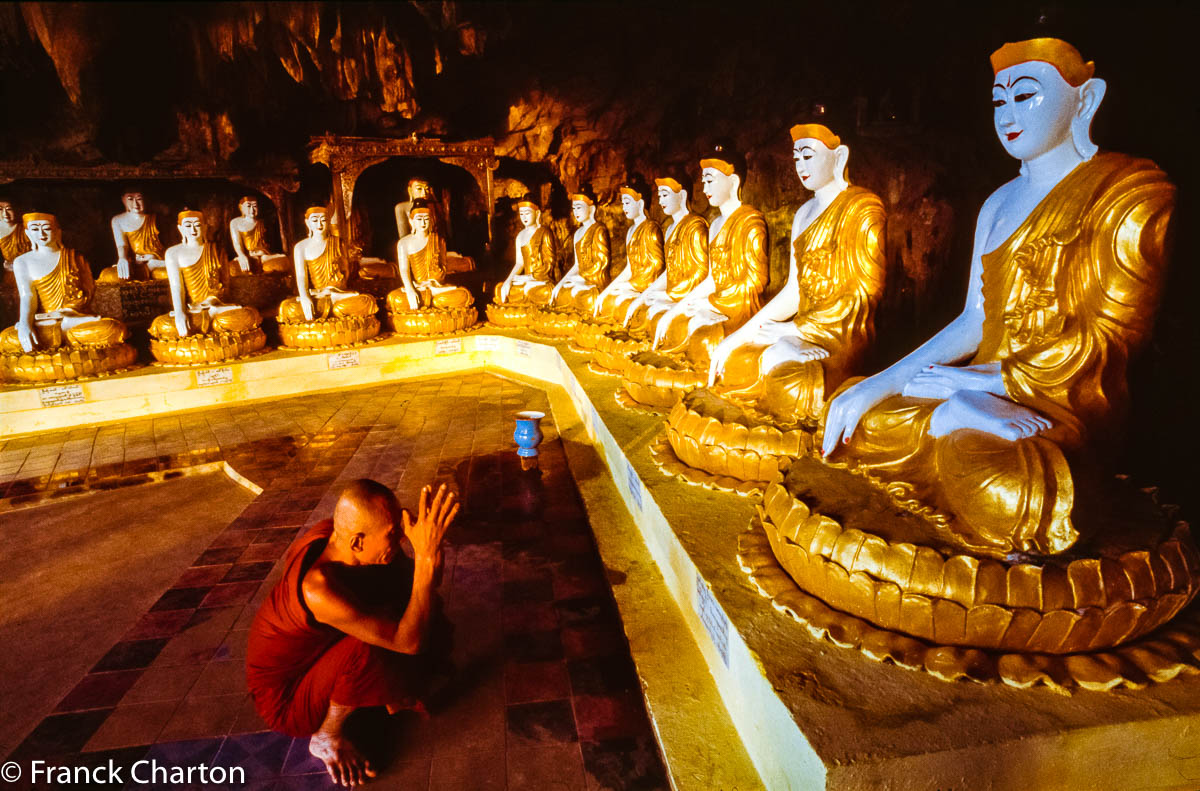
202,284
329,272
67,287
685,247
1067,298
841,266
592,258
737,262
255,241
15,244
646,261
144,241
533,284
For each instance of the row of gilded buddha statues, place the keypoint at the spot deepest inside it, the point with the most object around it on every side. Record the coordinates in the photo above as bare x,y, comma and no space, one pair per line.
58,337
974,500
975,505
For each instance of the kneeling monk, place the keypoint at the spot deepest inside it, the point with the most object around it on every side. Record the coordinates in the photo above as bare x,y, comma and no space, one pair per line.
323,644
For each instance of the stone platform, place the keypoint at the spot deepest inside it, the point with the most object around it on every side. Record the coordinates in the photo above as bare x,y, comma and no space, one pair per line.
807,713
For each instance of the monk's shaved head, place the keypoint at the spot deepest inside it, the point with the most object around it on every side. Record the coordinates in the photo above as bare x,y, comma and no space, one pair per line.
364,507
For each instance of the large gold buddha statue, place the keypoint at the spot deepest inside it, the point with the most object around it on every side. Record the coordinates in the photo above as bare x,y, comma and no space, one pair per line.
325,312
687,333
806,340
575,294
645,261
201,328
426,304
249,238
139,248
55,338
530,282
988,441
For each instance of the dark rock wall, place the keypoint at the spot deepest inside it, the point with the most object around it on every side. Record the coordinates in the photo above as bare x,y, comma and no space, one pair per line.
588,92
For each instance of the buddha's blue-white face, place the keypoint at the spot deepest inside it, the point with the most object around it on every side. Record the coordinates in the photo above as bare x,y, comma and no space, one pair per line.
191,228
815,163
7,213
718,187
1033,107
580,210
526,216
40,233
631,207
317,222
670,200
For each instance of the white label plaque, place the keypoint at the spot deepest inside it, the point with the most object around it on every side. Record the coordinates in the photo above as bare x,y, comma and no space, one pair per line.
488,343
714,620
343,359
525,348
448,346
61,395
634,484
214,376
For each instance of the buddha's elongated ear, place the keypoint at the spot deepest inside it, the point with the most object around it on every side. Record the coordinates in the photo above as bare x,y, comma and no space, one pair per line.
1091,93
841,160
737,186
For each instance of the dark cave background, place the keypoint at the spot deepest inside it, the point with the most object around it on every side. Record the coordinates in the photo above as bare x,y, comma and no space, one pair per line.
591,93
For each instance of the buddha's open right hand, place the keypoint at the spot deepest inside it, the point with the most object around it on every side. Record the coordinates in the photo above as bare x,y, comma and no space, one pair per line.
123,268
505,287
847,410
181,324
244,263
26,337
306,305
720,356
433,520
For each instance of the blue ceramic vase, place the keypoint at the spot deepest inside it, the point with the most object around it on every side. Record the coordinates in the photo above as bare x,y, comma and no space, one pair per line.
528,433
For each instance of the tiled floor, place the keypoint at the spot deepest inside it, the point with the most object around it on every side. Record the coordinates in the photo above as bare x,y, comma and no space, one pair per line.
544,694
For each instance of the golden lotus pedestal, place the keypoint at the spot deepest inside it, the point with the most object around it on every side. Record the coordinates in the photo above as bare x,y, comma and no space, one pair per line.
590,330
66,363
658,380
557,323
614,348
433,321
328,333
512,314
213,347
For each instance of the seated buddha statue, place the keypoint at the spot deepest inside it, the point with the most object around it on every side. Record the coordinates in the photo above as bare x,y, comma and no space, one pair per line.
685,244
13,241
1067,267
200,327
55,336
139,248
823,318
530,282
426,304
581,285
249,238
645,258
737,273
325,312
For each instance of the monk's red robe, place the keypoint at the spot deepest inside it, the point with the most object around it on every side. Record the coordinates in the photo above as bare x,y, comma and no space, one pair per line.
296,665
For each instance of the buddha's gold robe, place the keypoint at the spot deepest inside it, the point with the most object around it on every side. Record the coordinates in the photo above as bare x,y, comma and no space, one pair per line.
592,258
539,255
737,263
203,288
427,268
15,244
647,259
841,266
66,287
686,251
329,271
1067,298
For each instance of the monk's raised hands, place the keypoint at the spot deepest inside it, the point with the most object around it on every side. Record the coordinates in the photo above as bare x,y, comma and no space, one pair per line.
433,519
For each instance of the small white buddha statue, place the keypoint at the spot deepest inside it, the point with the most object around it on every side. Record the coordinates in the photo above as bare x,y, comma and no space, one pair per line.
582,283
13,241
249,238
644,255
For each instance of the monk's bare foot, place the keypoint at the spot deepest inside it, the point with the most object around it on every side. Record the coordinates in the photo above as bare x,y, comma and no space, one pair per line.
345,764
985,412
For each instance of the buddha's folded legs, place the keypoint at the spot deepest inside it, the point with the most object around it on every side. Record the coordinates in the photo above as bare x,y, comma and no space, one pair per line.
451,298
793,391
234,318
352,305
1007,495
96,331
702,343
276,264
